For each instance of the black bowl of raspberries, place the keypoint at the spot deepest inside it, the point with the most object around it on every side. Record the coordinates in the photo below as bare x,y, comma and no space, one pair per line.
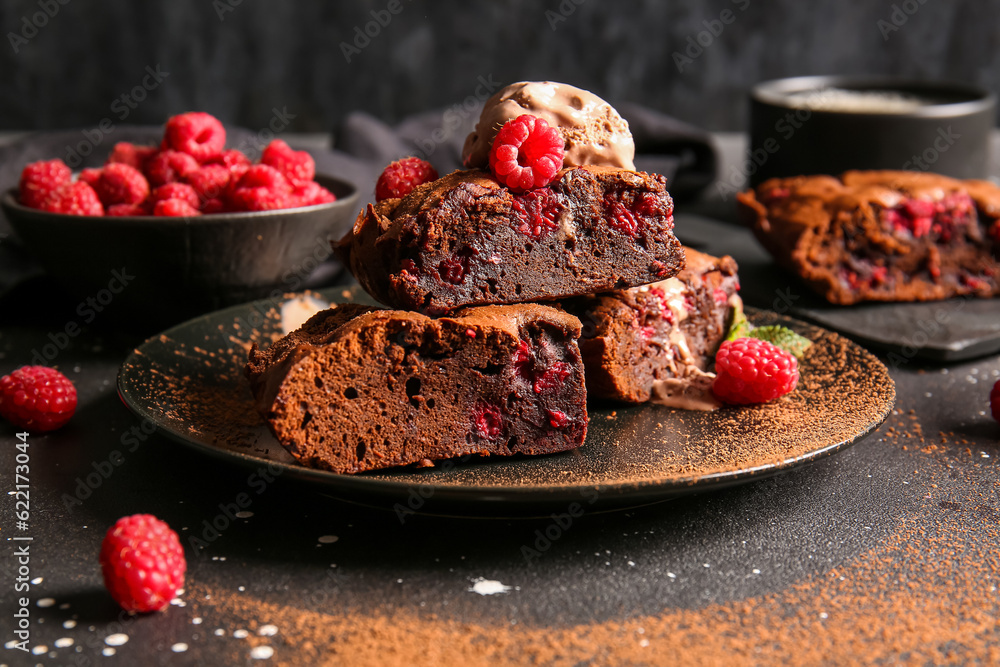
182,228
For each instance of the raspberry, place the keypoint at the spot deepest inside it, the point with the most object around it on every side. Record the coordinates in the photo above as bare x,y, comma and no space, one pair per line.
402,176
121,184
37,398
213,206
130,154
487,419
143,563
209,182
39,180
181,191
454,269
74,199
233,160
995,401
552,379
537,212
311,194
121,210
175,208
198,134
90,176
557,418
749,370
262,188
169,166
297,166
527,153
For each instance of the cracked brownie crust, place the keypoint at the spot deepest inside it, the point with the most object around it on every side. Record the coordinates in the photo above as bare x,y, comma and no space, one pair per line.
357,388
466,240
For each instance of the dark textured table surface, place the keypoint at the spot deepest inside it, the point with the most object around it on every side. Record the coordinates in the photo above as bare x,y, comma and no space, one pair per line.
885,552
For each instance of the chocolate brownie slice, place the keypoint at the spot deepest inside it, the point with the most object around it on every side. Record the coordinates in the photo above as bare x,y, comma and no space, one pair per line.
881,235
656,341
466,240
359,389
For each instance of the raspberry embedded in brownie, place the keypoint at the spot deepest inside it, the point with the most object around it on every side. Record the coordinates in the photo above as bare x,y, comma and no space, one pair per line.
657,341
466,240
357,388
882,235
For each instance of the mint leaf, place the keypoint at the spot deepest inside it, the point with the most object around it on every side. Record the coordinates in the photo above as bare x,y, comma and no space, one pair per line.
740,327
782,337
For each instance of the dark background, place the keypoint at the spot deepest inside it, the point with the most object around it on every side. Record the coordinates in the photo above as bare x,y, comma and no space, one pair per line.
240,59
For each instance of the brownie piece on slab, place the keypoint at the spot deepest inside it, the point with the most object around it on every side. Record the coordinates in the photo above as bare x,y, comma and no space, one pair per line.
464,239
881,235
359,389
656,342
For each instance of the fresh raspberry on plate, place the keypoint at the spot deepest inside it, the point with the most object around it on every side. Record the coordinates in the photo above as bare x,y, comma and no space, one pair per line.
995,401
400,177
297,166
143,563
175,208
123,210
169,166
121,184
74,199
748,370
40,180
90,176
198,134
37,398
312,193
527,153
210,182
181,191
131,154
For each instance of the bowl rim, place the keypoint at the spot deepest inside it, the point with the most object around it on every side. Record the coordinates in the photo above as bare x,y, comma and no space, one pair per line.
8,200
774,92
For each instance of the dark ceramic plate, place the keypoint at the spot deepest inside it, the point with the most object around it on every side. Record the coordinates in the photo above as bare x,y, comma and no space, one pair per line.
189,382
940,331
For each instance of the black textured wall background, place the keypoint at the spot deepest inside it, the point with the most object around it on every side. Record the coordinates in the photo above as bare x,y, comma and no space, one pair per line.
68,65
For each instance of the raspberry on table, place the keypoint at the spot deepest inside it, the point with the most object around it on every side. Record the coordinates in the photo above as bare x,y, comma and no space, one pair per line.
402,176
209,182
131,154
123,210
121,184
74,199
40,180
181,191
527,153
37,398
297,166
197,133
748,370
142,562
169,166
175,208
995,401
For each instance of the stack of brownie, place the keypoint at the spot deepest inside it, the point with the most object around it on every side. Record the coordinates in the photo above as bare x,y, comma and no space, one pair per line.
509,306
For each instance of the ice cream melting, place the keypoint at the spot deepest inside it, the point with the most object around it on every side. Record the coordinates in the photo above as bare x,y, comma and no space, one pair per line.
594,132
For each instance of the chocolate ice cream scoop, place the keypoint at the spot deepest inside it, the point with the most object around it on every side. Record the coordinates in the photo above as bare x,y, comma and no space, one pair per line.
594,132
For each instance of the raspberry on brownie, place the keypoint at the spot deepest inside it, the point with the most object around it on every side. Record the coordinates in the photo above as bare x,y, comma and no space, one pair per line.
357,388
882,235
464,239
656,342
